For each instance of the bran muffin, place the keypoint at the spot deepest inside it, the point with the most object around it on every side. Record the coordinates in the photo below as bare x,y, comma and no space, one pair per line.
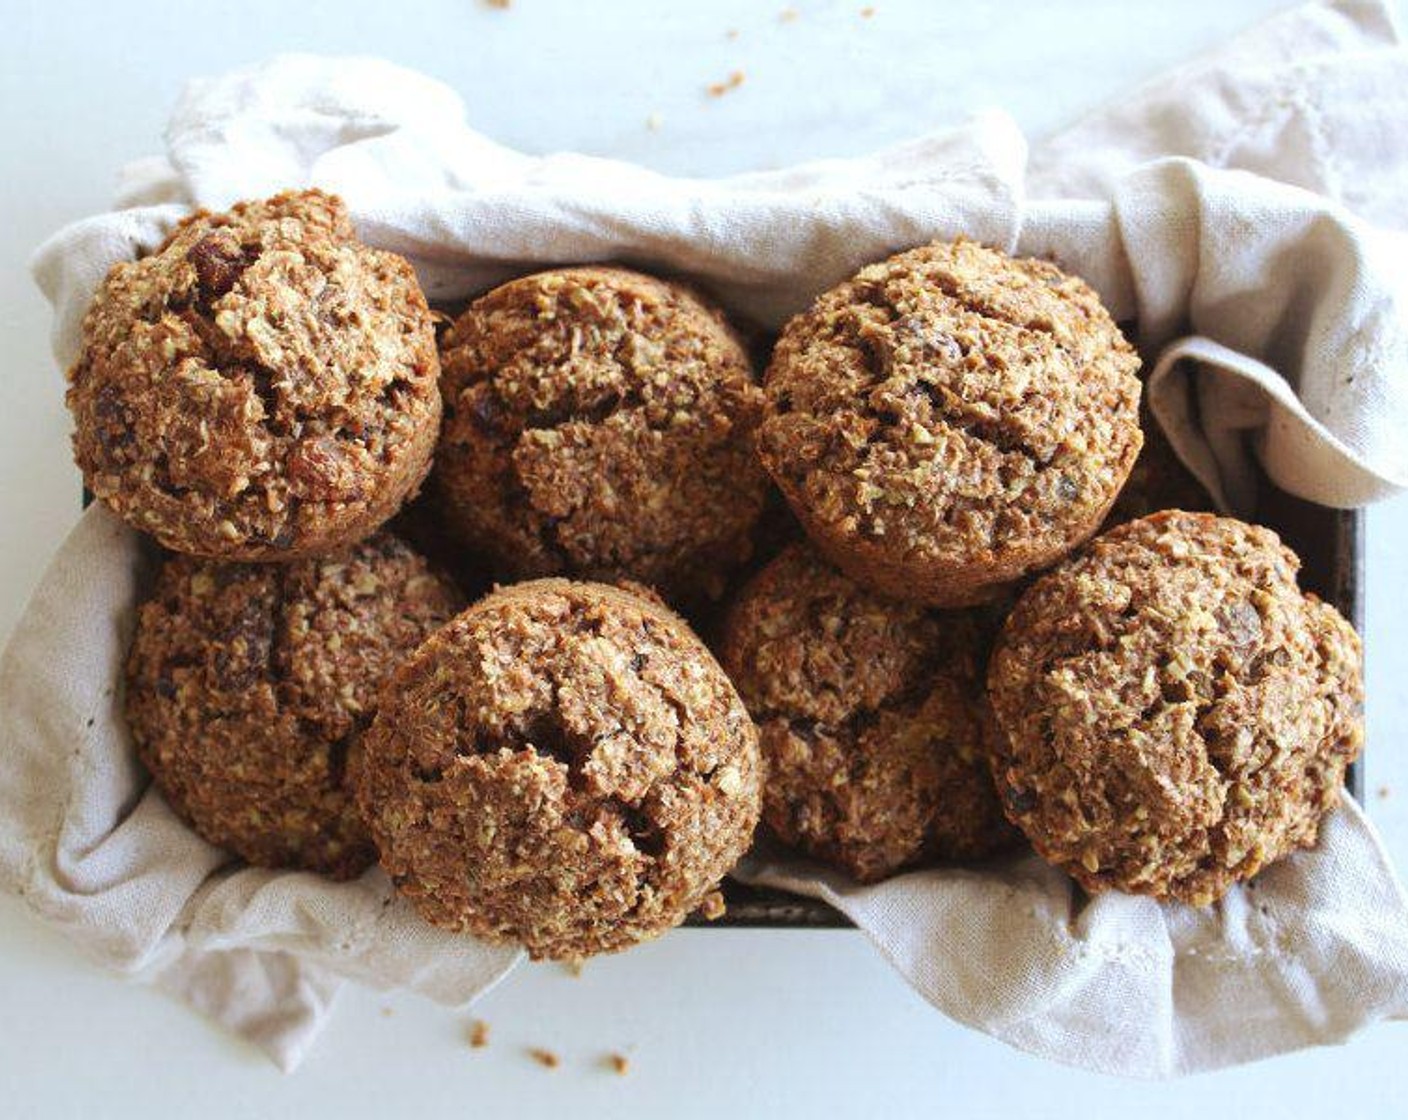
564,766
951,420
262,387
250,685
870,714
1158,481
600,423
1174,712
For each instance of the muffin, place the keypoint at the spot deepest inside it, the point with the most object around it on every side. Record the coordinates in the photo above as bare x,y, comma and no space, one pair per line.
250,685
1174,712
951,420
870,715
262,387
564,766
600,423
1158,481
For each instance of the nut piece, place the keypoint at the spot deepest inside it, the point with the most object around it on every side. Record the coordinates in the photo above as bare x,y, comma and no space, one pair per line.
1175,713
871,715
563,766
261,387
249,687
950,420
600,423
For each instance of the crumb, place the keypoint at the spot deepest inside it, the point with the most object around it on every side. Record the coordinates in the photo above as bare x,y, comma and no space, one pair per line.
787,15
731,34
501,5
867,12
619,1063
545,1058
713,906
718,89
654,121
1383,792
387,1012
479,1034
573,967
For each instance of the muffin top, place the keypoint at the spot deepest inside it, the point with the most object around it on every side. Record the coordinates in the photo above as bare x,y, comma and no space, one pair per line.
870,713
248,686
261,387
1174,712
951,419
564,766
600,423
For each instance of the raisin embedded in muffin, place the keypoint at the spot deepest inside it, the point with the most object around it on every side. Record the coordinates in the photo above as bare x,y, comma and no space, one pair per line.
250,685
871,719
564,766
600,423
262,387
951,420
1174,712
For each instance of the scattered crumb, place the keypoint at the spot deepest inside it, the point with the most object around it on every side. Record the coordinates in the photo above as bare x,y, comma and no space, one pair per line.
619,1063
787,15
731,34
654,121
501,5
479,1034
718,89
387,1012
573,967
1383,792
545,1058
867,12
713,906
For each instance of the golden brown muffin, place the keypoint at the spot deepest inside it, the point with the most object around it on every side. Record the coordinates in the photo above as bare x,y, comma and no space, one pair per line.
870,713
262,387
248,685
564,766
951,420
600,423
1175,713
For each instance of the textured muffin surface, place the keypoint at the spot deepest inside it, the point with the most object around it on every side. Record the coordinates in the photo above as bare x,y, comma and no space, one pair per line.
1174,712
261,387
950,420
250,685
870,717
564,766
600,423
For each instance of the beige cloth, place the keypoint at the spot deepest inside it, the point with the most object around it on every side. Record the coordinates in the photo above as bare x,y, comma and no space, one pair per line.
1277,319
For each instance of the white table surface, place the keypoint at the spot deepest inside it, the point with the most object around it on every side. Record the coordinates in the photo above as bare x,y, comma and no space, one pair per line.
716,1022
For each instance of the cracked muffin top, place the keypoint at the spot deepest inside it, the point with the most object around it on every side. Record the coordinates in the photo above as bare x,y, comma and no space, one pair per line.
950,420
262,387
600,423
249,685
564,766
870,713
1174,712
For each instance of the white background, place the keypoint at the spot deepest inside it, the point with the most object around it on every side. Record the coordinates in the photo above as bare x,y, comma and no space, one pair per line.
715,1022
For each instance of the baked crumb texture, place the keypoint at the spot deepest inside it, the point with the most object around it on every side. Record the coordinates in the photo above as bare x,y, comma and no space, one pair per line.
249,687
951,420
1175,712
563,766
871,719
263,386
601,423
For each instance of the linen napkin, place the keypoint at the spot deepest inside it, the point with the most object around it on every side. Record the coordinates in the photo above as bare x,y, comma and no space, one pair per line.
1269,305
